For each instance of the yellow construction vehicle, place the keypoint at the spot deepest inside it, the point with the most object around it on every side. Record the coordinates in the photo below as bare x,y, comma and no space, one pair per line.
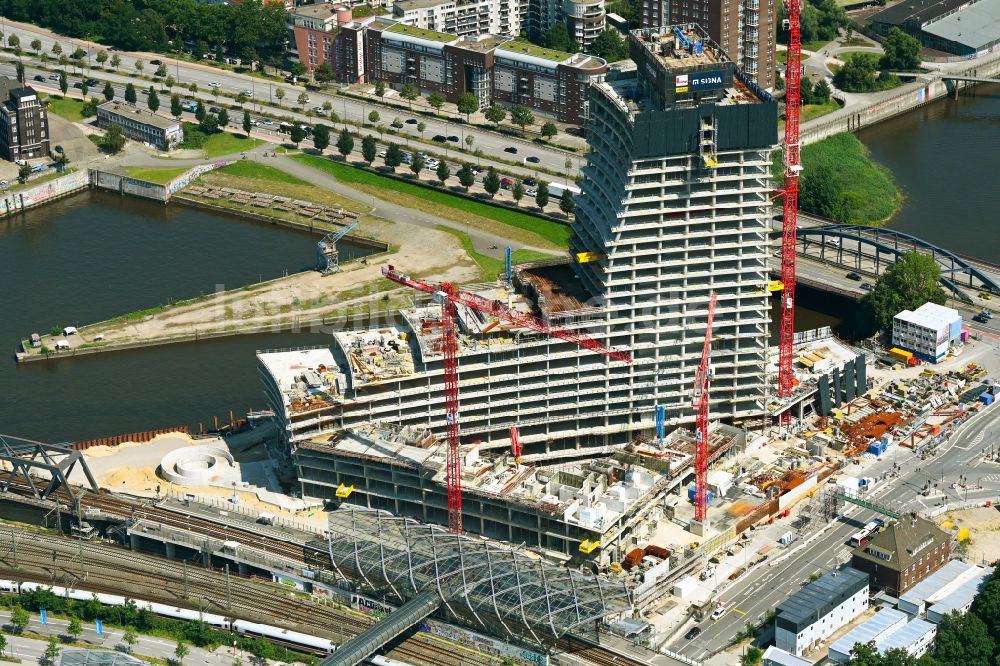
587,546
343,491
586,257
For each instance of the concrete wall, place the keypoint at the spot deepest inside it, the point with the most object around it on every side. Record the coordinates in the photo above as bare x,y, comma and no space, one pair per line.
34,196
910,96
130,186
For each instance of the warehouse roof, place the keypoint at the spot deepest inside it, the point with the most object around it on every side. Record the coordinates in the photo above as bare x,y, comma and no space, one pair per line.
903,542
884,623
774,656
904,637
918,12
960,598
820,597
975,26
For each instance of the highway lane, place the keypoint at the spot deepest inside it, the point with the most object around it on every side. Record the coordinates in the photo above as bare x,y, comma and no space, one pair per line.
263,91
772,582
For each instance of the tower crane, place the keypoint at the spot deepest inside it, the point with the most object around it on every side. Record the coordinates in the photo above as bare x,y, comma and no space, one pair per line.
699,400
793,87
448,296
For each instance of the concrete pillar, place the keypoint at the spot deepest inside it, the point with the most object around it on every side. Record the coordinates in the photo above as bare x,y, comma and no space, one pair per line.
133,541
242,568
171,550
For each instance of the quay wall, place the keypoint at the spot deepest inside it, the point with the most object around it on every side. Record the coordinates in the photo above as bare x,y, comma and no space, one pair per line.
51,190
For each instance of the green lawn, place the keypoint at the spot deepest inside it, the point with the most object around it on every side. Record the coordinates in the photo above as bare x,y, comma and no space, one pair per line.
437,202
250,169
155,174
781,56
813,111
491,266
847,56
67,108
815,45
227,143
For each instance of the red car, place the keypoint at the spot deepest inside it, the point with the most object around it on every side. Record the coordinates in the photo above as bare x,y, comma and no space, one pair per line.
506,183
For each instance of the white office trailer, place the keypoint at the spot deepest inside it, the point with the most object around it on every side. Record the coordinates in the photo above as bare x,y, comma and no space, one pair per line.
819,609
927,331
888,629
950,588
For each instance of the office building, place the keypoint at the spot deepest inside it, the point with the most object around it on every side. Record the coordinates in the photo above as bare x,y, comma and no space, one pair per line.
141,125
903,554
927,331
954,26
24,122
664,219
743,28
819,609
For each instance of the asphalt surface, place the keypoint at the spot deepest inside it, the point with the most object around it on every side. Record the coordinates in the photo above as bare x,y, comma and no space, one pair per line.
263,91
778,578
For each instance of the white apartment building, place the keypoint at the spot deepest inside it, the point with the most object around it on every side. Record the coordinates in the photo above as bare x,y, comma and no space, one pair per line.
819,609
927,331
463,19
664,219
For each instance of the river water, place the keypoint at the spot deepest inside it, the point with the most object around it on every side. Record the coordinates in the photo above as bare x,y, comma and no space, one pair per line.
97,255
945,157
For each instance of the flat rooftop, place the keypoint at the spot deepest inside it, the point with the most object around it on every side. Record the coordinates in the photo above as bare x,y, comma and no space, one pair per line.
975,26
528,49
421,33
320,11
139,115
307,379
918,12
681,46
407,5
483,43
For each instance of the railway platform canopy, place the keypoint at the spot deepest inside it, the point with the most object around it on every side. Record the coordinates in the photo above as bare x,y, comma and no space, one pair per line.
83,657
500,589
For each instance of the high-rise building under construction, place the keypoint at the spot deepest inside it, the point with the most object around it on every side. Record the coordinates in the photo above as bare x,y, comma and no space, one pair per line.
675,205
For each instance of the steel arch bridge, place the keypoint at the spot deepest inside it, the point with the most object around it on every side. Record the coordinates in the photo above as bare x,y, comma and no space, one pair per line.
883,247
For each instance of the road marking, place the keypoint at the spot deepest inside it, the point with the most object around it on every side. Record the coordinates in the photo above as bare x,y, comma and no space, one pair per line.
737,610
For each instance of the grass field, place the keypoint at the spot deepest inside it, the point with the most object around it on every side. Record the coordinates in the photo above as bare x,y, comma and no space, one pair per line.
781,56
66,107
491,266
154,174
815,45
813,111
250,169
840,181
847,56
533,230
227,143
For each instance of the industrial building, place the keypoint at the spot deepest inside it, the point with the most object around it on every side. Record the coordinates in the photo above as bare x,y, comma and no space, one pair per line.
140,125
902,554
664,219
889,629
928,331
950,588
24,122
819,609
959,27
745,29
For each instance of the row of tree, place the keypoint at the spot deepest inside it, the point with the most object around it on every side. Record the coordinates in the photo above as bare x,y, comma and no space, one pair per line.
251,29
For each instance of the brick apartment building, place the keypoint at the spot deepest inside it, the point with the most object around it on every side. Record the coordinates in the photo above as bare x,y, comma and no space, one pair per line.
743,28
24,122
903,554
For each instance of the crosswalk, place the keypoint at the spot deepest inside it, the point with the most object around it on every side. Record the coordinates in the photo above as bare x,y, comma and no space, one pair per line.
991,477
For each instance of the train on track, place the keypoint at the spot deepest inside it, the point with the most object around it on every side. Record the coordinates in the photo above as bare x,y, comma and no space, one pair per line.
292,639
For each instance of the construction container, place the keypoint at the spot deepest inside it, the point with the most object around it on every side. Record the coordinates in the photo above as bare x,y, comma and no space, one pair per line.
986,398
877,447
691,490
900,355
685,587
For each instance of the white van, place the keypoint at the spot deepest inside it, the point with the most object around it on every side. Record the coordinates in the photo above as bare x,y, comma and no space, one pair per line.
719,612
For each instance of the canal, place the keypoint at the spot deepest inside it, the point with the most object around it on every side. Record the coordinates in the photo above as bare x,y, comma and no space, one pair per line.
944,157
97,255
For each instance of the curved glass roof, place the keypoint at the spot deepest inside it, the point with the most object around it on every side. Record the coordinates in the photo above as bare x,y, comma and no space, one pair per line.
501,589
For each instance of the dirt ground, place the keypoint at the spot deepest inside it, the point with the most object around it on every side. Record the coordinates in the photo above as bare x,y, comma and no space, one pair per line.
984,524
425,252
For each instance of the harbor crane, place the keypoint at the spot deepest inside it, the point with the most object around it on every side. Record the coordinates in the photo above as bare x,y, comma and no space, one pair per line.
699,400
327,254
449,296
793,89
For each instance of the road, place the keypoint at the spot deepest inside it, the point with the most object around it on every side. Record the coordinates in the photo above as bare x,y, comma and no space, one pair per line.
262,91
825,545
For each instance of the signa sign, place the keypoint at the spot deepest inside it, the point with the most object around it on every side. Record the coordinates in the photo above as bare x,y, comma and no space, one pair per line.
698,81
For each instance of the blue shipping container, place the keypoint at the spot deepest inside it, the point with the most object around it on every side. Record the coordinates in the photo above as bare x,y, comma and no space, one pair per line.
691,494
986,398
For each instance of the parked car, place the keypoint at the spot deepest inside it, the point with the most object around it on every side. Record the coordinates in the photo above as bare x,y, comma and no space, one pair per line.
53,77
719,612
453,138
214,84
78,84
692,633
534,159
983,295
319,109
980,318
510,149
39,77
531,192
156,62
214,109
441,138
854,276
397,123
529,182
987,314
411,121
381,153
867,286
92,82
248,93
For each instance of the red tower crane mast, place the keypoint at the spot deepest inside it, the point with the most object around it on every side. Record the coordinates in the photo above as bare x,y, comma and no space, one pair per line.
793,81
699,400
448,296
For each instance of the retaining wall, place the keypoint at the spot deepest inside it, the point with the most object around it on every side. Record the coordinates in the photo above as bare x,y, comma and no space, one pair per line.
909,97
47,191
